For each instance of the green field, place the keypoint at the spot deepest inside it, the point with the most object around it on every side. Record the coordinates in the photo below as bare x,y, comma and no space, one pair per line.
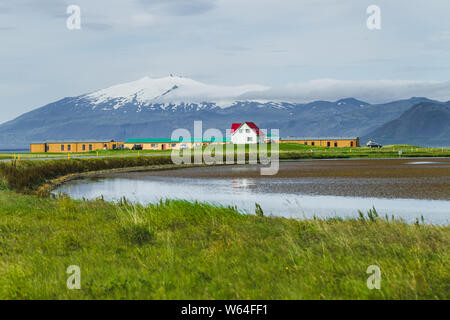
99,153
300,150
180,250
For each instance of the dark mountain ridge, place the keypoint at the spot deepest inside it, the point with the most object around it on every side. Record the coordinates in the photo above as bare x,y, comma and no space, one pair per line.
423,124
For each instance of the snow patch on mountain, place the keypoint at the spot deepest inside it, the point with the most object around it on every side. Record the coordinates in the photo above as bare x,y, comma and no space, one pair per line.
170,90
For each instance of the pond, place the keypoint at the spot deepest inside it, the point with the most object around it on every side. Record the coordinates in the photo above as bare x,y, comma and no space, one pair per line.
301,189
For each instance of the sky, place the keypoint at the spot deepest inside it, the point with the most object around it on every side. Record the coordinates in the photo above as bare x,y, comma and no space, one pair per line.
302,49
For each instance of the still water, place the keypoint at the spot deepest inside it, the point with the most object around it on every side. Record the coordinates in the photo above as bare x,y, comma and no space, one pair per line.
292,195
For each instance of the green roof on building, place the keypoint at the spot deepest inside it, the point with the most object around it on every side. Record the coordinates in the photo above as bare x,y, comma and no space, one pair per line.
177,140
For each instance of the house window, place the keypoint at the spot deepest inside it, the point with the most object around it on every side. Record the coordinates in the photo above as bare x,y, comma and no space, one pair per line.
46,148
328,144
68,147
249,139
306,143
312,143
351,143
154,145
335,144
62,147
241,130
84,147
90,147
174,145
247,130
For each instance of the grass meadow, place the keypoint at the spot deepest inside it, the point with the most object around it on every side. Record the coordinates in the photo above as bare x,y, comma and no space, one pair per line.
293,149
181,250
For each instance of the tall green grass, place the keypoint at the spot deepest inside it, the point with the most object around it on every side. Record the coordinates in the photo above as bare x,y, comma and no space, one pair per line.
182,250
26,176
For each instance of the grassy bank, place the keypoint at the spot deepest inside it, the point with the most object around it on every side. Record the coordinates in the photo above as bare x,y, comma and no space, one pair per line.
97,153
179,250
27,176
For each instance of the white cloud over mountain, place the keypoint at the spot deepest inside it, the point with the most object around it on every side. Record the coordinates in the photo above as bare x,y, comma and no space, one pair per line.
374,91
174,89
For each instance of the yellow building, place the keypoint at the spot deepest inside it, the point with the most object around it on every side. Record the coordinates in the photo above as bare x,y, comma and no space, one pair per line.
332,142
168,144
73,146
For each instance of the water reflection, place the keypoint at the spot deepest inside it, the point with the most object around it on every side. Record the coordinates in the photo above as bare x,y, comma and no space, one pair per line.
424,162
242,185
244,193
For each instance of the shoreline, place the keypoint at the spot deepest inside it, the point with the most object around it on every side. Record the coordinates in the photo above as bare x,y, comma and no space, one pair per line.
54,183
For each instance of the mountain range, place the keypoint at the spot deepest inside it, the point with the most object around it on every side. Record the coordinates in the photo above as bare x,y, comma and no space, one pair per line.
153,108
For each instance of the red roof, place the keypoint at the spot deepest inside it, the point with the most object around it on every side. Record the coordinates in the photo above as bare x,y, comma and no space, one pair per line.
252,125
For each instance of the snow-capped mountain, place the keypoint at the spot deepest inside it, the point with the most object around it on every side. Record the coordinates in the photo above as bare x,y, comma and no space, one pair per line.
154,108
171,90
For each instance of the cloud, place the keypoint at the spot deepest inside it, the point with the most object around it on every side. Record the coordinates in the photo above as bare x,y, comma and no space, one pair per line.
233,47
4,10
142,19
377,91
48,7
440,41
441,36
97,26
179,7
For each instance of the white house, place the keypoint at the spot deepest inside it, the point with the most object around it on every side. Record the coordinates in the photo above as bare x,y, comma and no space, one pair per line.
246,133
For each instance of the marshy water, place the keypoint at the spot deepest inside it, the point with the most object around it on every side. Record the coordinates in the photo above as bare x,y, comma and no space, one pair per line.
405,188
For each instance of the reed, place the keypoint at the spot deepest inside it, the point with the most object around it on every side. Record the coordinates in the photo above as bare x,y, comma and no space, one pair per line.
182,250
27,176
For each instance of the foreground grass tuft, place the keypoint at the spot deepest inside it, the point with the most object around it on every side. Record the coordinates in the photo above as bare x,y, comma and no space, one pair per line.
182,250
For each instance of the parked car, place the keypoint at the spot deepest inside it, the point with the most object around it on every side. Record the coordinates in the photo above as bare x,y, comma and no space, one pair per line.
372,144
137,147
121,147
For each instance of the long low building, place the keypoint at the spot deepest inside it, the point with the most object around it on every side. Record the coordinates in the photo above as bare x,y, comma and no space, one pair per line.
62,146
241,133
168,144
336,142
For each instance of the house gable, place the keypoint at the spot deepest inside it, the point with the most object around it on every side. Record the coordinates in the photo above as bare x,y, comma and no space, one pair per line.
251,125
246,132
